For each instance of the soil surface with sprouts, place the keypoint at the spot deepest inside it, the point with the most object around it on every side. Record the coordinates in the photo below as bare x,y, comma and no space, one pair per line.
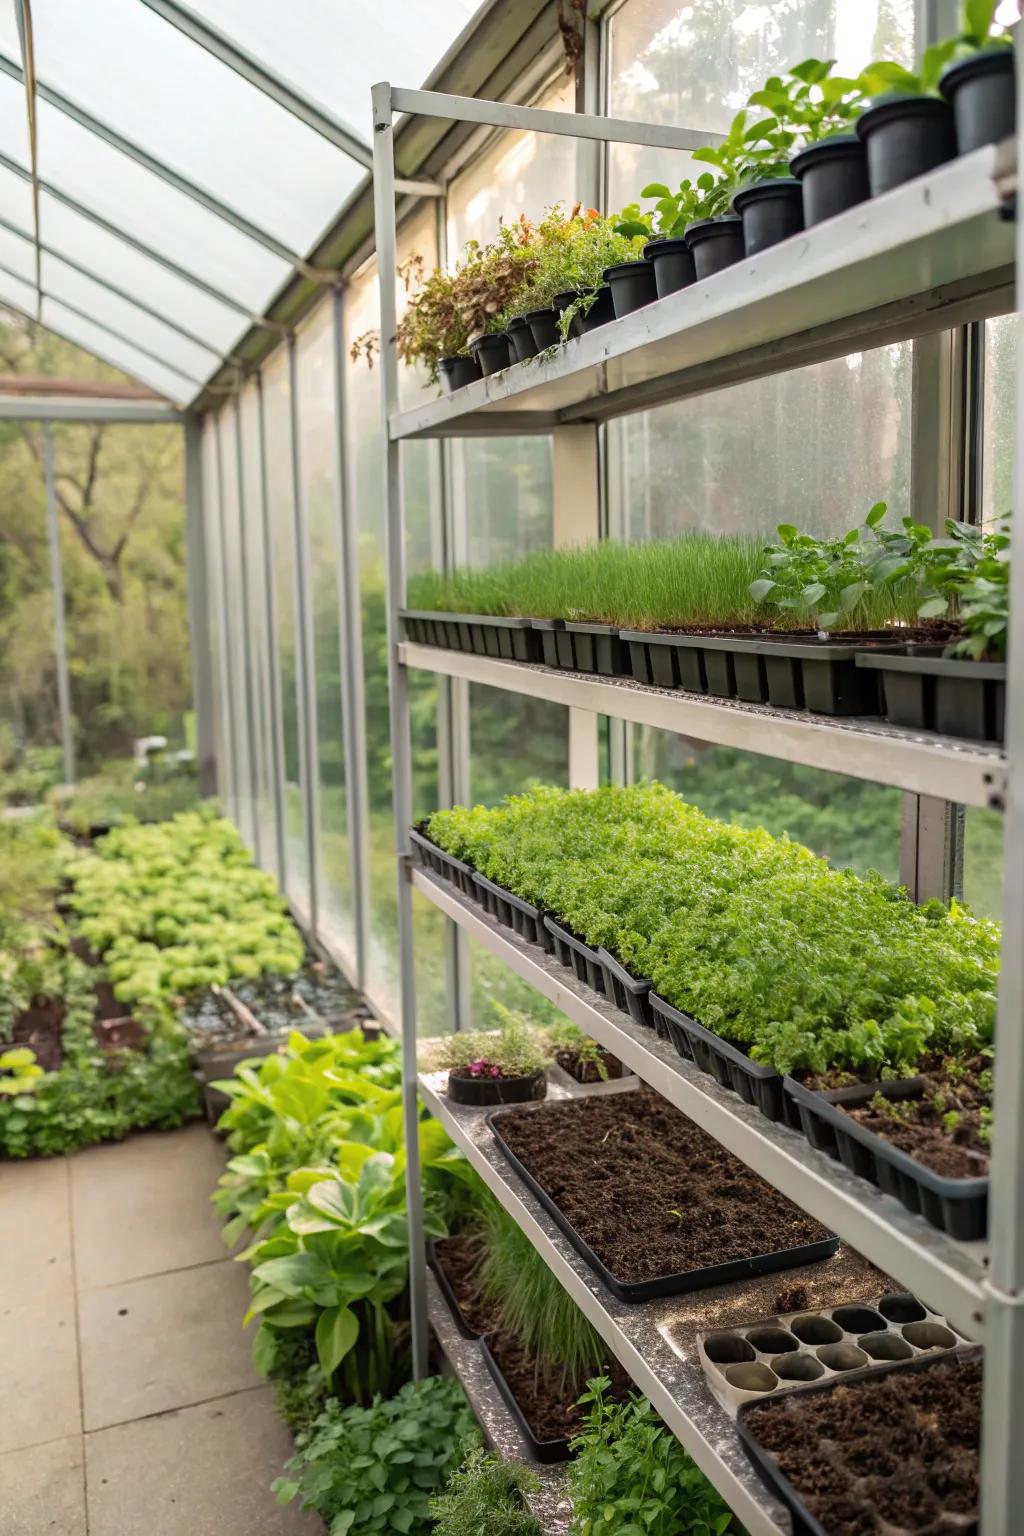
647,1190
946,1127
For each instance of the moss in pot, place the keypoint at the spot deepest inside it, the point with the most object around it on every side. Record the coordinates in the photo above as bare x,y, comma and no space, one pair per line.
502,1066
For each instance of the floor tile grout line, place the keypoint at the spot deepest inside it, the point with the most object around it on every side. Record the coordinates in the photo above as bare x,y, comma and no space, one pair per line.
163,1413
156,1274
78,1340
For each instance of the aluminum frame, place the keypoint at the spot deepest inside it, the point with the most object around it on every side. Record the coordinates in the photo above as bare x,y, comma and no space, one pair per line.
198,609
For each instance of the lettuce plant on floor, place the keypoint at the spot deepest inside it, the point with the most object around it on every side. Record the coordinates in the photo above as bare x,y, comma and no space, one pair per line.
806,966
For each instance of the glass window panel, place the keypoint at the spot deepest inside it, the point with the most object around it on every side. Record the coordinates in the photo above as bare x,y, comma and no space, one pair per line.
235,623
111,349
13,117
694,65
319,488
17,256
215,612
280,496
22,296
155,87
16,201
134,199
983,862
1002,337
258,636
185,356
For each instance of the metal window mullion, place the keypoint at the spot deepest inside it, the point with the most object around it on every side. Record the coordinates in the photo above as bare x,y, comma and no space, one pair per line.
277,754
227,707
398,707
60,640
199,607
350,640
310,760
248,650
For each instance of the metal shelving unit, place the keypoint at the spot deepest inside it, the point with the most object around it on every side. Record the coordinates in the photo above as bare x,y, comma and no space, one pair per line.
934,254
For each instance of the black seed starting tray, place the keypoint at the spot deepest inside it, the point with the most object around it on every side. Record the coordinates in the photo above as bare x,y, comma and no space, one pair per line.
480,634
430,856
571,647
754,1082
926,691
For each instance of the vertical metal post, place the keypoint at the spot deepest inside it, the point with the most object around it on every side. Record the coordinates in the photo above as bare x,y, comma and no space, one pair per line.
248,678
60,642
277,759
229,786
305,656
576,490
198,609
350,636
1002,1466
398,693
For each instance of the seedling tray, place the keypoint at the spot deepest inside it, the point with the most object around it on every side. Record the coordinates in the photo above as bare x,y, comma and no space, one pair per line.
510,639
445,1287
576,956
755,1083
819,675
513,912
783,1353
663,1285
444,864
546,1451
629,994
956,1206
768,1469
571,647
926,691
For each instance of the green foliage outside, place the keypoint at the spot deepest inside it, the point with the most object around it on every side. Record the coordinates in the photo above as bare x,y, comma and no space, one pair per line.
755,936
376,1469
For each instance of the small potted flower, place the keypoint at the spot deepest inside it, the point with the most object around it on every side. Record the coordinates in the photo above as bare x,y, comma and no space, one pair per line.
501,1066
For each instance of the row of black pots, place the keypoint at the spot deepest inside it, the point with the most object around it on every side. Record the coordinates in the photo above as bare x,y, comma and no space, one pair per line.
957,1206
914,686
898,138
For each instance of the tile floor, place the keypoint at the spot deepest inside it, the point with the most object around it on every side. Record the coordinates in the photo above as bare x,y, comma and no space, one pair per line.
128,1402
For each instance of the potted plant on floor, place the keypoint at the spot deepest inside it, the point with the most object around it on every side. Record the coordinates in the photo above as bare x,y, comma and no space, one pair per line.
501,1066
487,1493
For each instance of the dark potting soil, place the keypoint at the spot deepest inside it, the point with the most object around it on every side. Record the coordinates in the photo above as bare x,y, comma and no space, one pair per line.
120,1033
647,1190
548,1403
587,1071
877,1455
945,1128
272,1000
459,1257
41,1028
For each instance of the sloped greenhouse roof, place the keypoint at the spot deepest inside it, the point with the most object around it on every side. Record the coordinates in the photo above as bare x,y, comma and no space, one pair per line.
187,157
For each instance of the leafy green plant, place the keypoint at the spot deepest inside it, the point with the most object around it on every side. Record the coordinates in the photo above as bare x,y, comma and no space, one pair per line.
673,212
977,19
631,1477
377,1468
572,252
749,151
564,1035
18,1071
810,102
511,1050
486,1496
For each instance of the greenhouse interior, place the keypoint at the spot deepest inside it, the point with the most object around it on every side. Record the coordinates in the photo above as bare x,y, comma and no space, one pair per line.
436,931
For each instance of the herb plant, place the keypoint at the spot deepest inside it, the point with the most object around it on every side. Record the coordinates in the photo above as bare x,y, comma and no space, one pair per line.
566,1036
572,252
631,1477
810,102
673,212
376,1469
512,1050
750,151
485,1496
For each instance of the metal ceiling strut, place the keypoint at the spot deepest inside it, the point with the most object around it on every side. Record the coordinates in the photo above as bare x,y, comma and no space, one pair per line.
23,12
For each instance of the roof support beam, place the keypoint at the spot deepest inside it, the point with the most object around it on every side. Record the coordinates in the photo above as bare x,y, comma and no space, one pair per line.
9,407
121,293
53,408
23,12
156,167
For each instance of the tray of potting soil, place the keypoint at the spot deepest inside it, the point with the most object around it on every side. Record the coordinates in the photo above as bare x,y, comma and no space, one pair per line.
898,1135
547,1419
887,1452
778,1354
653,1204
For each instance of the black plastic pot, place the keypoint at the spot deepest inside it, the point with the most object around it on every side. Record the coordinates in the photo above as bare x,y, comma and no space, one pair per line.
767,1466
673,264
956,1206
633,285
665,1285
584,962
629,993
582,647
715,244
905,137
771,211
457,372
485,1092
548,1452
446,865
834,176
983,94
601,310
561,302
819,675
755,1083
520,340
482,634
513,912
543,325
493,353
926,691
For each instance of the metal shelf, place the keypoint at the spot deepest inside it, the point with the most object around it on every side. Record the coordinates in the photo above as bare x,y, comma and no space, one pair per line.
862,749
947,1275
676,1387
549,1505
930,255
